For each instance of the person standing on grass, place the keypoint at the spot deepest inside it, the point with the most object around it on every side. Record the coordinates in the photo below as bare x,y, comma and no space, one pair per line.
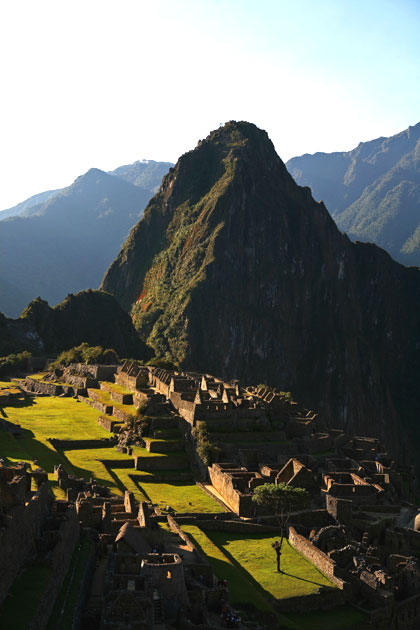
277,546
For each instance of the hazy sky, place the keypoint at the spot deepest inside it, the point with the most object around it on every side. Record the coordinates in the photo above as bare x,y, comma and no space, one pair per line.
103,83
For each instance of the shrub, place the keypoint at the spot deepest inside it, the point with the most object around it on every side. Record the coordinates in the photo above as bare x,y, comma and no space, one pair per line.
85,354
14,362
207,451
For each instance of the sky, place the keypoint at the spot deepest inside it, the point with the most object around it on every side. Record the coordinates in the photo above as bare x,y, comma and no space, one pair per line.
101,83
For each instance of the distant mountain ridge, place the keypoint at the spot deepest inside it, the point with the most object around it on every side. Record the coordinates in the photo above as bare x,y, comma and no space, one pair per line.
146,174
22,207
372,192
62,241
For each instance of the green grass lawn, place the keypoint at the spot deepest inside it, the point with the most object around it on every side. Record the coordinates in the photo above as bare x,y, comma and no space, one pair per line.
105,397
31,582
39,376
87,463
63,418
5,384
257,557
179,495
244,589
119,389
11,449
52,416
179,456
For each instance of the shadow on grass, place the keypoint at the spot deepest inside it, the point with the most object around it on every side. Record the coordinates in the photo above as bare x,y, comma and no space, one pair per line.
116,479
142,490
300,578
26,446
227,537
28,401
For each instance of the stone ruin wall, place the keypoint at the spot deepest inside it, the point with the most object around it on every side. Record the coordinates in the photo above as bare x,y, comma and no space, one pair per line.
224,485
22,525
315,556
59,560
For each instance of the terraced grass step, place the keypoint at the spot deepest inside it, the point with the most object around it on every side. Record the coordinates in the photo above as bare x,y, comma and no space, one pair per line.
166,434
158,445
164,422
144,460
108,406
182,496
117,393
110,424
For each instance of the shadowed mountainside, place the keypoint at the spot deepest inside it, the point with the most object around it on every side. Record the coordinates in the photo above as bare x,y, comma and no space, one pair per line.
91,316
236,270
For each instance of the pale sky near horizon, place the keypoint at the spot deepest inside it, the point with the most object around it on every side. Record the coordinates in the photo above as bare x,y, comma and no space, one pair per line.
101,83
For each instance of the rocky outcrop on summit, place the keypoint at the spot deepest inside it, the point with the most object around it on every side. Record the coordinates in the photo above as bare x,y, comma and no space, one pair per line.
235,269
373,191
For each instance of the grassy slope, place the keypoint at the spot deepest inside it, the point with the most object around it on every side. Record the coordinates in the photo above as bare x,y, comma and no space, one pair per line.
62,418
105,397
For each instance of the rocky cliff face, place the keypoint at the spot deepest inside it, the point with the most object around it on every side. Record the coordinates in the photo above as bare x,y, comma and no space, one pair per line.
91,316
236,270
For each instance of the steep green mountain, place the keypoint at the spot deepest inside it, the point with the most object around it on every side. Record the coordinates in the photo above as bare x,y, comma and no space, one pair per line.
62,241
235,270
373,192
91,316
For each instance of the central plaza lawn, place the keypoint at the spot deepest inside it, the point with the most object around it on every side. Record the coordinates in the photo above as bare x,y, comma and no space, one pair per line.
257,557
66,419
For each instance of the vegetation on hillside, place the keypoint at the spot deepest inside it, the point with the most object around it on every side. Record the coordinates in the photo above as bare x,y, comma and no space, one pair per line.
13,363
86,354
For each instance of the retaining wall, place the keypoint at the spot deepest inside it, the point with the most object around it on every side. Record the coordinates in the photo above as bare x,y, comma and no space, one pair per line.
317,557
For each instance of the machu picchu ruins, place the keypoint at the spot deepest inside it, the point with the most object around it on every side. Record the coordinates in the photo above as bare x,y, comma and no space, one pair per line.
162,469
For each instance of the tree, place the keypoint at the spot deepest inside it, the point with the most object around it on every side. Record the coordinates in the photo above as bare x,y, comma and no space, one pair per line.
282,500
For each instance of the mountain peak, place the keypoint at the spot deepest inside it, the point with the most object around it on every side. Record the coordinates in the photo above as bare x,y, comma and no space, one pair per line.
91,175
